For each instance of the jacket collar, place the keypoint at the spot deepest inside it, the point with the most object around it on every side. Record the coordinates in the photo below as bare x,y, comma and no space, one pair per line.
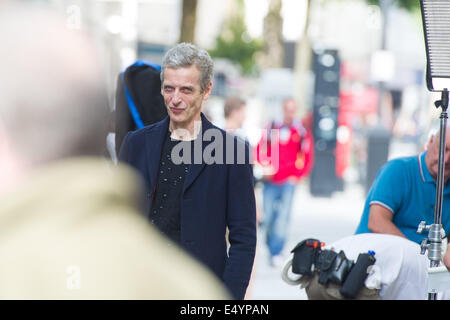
154,147
197,167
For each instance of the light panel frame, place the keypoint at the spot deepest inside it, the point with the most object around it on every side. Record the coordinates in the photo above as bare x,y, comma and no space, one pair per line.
436,27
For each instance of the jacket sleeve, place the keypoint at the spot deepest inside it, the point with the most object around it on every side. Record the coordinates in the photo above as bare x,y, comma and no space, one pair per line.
241,220
125,148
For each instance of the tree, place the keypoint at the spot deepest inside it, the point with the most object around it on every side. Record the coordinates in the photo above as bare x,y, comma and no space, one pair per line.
234,42
188,21
273,36
409,5
303,60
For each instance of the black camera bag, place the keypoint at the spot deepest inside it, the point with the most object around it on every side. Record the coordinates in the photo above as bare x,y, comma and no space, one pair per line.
305,253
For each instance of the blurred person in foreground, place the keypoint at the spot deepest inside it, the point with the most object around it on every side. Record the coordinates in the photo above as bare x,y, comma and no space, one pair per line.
199,180
404,194
285,153
70,222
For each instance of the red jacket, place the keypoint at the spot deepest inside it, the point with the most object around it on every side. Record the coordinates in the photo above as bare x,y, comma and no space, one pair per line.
288,149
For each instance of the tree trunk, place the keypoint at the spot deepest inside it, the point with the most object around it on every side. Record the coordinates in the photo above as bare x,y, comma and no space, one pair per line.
273,36
188,21
303,61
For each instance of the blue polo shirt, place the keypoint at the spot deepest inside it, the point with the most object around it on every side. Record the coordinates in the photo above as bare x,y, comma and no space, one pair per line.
405,187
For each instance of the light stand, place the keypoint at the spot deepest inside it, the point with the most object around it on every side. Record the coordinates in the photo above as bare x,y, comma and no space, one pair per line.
435,231
436,25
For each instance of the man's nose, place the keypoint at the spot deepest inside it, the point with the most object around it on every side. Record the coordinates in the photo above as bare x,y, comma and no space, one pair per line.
176,97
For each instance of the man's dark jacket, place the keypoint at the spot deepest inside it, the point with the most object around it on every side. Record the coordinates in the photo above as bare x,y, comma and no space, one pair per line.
215,196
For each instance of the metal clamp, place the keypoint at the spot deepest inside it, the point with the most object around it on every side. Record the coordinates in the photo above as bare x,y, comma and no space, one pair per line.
433,243
423,227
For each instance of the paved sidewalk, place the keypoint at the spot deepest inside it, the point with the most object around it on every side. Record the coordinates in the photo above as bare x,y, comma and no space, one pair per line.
326,219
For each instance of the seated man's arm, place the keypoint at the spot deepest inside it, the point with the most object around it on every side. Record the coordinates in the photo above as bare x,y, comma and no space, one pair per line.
380,221
447,255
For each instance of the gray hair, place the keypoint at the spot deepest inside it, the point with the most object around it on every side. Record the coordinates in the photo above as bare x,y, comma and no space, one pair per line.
185,55
54,102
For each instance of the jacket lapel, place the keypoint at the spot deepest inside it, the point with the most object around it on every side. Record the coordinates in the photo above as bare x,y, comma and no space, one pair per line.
196,168
154,147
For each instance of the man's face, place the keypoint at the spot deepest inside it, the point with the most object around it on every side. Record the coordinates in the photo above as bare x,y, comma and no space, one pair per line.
289,109
240,115
182,95
433,156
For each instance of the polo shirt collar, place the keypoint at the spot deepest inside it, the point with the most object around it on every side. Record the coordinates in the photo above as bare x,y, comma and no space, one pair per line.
426,175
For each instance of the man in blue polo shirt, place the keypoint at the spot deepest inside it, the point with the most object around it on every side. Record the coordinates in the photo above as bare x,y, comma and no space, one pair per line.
404,194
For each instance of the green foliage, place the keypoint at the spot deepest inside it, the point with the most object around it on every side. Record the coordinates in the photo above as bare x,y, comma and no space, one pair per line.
235,44
409,5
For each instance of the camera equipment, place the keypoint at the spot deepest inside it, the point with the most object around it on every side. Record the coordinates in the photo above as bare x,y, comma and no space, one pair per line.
357,276
305,255
436,26
333,267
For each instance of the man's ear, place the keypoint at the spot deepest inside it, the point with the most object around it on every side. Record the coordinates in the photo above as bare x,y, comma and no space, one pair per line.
207,91
430,142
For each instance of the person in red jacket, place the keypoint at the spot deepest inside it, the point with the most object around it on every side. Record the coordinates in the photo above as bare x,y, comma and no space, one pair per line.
285,152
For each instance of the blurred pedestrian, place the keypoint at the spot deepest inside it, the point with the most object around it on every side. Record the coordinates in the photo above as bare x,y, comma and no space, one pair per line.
235,113
285,153
71,225
197,187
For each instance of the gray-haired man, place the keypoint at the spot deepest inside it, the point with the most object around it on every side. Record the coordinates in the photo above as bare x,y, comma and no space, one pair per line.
193,201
